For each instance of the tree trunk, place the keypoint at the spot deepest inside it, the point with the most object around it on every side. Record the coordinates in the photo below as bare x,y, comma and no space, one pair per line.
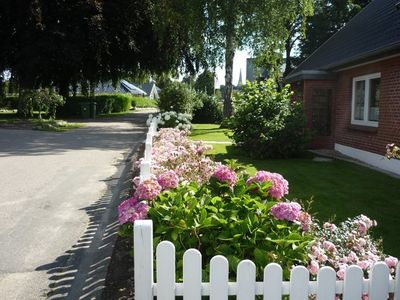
229,54
288,50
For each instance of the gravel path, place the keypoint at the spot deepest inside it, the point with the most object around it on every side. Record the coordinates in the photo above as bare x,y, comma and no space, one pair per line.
57,206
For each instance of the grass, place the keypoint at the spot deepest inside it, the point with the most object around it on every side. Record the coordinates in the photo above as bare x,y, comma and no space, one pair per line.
145,102
10,118
55,125
338,188
209,132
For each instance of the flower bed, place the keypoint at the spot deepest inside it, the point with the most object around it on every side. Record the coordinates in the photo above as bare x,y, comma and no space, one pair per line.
198,203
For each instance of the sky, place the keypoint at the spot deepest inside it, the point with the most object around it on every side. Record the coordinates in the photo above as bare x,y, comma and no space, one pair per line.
239,63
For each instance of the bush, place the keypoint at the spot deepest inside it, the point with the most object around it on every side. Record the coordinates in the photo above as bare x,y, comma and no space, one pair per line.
210,110
176,96
171,119
106,104
9,102
266,123
145,102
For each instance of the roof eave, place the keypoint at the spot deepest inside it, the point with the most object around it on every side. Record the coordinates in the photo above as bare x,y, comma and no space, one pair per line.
310,75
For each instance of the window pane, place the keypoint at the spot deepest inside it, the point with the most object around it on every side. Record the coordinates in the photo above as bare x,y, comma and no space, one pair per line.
374,92
359,100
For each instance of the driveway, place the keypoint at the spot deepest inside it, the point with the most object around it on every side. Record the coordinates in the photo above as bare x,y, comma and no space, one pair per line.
58,197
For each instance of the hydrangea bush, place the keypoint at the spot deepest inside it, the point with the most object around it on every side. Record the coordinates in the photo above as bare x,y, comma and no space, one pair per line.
172,119
347,244
198,203
172,150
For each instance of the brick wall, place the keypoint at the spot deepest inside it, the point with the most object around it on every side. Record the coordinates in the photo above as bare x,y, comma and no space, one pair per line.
305,90
369,138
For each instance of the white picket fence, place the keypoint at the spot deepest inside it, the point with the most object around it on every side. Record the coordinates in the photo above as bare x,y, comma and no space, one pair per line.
145,165
326,287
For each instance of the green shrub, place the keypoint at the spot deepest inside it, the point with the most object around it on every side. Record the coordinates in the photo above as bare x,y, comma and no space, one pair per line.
236,222
106,103
145,102
266,123
9,102
210,110
176,96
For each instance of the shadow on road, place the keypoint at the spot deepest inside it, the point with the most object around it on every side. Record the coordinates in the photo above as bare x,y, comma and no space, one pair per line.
99,134
80,272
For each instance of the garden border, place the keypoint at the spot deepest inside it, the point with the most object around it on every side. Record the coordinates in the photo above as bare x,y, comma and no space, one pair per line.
325,287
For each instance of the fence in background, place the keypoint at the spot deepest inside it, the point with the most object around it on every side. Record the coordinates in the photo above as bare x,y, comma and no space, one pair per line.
145,165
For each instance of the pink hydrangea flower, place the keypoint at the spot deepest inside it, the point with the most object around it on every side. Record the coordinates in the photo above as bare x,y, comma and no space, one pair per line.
131,210
280,186
391,261
168,180
305,221
341,272
329,246
225,174
313,267
149,189
289,211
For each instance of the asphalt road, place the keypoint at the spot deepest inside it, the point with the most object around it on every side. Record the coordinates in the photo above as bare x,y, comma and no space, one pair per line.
58,193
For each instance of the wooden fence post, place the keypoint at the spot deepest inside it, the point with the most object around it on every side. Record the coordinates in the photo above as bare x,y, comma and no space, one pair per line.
143,259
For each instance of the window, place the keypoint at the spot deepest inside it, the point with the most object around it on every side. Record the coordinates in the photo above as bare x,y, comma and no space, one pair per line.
365,101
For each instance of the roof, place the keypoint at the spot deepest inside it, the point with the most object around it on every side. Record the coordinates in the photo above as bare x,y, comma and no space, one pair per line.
147,87
374,32
132,88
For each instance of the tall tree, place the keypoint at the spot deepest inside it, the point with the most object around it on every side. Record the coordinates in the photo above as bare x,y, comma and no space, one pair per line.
205,82
217,28
60,43
329,17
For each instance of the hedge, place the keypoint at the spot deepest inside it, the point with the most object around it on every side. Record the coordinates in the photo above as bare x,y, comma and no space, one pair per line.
106,103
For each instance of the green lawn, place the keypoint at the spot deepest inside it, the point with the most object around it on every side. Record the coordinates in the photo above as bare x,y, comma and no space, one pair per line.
10,118
209,132
338,188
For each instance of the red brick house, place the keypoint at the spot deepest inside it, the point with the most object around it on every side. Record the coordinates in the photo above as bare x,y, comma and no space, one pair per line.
351,86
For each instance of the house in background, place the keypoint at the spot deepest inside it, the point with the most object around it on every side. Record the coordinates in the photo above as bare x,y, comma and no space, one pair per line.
131,88
151,90
351,86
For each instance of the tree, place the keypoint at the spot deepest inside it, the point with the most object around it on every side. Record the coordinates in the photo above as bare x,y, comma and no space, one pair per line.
57,43
216,29
329,17
205,82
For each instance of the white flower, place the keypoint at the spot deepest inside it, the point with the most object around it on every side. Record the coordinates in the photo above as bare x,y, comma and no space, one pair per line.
167,117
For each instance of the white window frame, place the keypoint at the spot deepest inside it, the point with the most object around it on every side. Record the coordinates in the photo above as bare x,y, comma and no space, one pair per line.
367,79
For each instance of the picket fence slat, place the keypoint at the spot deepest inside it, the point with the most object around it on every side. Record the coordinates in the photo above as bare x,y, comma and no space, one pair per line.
246,280
326,284
379,284
165,270
272,286
192,275
219,277
299,285
143,260
145,171
353,283
396,288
